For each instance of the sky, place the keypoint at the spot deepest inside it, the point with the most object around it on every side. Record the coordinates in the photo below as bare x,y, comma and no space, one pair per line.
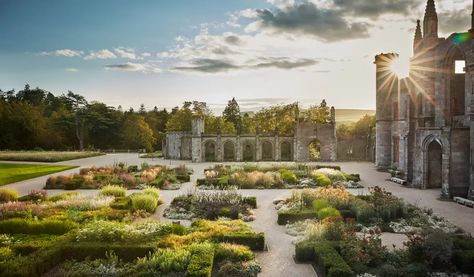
162,53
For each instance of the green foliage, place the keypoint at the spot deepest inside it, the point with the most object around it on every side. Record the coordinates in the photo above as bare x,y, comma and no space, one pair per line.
163,261
328,212
144,202
319,204
35,227
233,252
251,201
45,156
330,260
63,196
288,176
8,195
121,203
321,179
152,191
5,253
318,113
137,133
291,216
232,115
112,190
10,173
464,261
201,262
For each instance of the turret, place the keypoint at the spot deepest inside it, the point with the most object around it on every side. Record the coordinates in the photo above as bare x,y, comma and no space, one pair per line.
430,22
418,37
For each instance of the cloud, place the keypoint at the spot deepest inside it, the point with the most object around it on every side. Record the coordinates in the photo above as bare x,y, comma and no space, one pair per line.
126,53
374,9
233,40
455,21
283,63
101,54
63,53
134,67
307,19
208,66
71,69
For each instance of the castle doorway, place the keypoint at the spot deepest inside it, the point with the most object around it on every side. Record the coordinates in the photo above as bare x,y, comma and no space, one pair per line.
210,151
267,151
229,151
286,154
314,149
435,154
248,152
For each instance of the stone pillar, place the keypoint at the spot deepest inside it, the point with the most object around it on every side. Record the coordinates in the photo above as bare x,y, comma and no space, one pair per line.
238,149
219,149
196,149
258,149
277,149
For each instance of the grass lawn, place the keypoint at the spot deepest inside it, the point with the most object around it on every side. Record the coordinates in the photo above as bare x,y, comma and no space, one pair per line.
45,156
11,173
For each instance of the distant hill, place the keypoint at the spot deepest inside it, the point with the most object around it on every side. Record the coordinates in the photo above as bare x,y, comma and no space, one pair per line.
344,116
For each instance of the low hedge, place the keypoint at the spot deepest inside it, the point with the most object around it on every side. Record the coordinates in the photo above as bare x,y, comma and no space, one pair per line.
255,241
304,252
251,201
121,203
330,262
291,216
36,227
464,261
94,250
201,262
183,178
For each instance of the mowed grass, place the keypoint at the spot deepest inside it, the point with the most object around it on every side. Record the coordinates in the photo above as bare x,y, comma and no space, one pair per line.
45,156
11,173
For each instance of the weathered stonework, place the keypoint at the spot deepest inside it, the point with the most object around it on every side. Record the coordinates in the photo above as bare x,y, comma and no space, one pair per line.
200,147
425,122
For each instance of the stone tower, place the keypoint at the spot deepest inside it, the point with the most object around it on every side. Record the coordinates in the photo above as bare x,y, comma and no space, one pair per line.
197,132
430,21
383,153
418,38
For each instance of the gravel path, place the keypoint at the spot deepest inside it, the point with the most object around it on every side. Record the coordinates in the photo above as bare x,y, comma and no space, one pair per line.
278,260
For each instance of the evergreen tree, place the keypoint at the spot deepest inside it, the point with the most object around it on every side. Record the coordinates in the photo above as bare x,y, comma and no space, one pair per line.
232,114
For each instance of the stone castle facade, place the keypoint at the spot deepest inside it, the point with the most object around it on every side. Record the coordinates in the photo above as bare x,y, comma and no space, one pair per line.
425,122
201,147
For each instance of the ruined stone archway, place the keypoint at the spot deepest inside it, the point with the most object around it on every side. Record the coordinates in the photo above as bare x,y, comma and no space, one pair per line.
314,150
248,151
286,151
229,151
267,151
210,151
435,154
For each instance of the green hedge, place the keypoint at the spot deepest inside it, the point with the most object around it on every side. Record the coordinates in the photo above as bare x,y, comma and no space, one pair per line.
36,227
94,250
251,201
121,203
291,216
201,262
255,241
330,262
183,178
464,261
304,252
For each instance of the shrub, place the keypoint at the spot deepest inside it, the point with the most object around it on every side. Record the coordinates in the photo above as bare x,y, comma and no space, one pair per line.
255,241
163,261
35,196
36,227
328,212
438,249
330,261
112,190
84,203
333,174
233,252
63,196
7,195
288,176
319,204
304,251
5,253
152,191
121,203
144,202
251,201
321,179
291,216
201,262
464,261
19,209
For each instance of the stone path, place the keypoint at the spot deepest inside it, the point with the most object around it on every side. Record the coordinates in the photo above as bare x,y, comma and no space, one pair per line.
278,261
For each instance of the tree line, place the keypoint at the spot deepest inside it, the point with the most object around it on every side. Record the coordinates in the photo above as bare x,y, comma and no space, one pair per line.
34,118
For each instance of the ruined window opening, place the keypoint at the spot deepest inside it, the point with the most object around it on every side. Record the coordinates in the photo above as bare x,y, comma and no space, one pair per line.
459,67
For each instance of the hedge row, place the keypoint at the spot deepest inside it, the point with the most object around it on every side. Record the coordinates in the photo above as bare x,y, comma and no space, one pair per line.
328,260
291,216
36,227
251,201
255,241
183,178
202,261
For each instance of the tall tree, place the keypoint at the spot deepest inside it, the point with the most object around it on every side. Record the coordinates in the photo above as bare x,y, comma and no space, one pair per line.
232,114
136,133
79,105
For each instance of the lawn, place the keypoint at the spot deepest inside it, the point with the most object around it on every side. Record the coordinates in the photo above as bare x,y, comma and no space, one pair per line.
45,156
11,173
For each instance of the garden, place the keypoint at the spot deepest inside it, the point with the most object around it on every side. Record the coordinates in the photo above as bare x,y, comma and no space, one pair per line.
212,205
291,176
111,235
130,177
345,235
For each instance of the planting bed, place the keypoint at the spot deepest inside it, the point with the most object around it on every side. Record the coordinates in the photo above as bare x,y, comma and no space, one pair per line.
130,177
341,234
276,177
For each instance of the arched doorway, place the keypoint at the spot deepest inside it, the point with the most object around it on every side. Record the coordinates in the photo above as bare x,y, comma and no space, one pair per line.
314,149
435,153
267,151
286,152
229,151
210,151
248,152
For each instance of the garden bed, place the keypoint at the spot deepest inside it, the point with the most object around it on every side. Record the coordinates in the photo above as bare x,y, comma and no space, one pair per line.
130,177
297,176
344,235
71,235
45,156
212,205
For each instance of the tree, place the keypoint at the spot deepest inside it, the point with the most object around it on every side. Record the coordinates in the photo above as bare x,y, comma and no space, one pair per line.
217,125
79,104
136,133
232,114
318,114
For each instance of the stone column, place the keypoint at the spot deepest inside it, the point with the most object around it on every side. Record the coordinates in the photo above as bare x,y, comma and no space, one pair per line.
238,149
258,150
277,149
219,149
